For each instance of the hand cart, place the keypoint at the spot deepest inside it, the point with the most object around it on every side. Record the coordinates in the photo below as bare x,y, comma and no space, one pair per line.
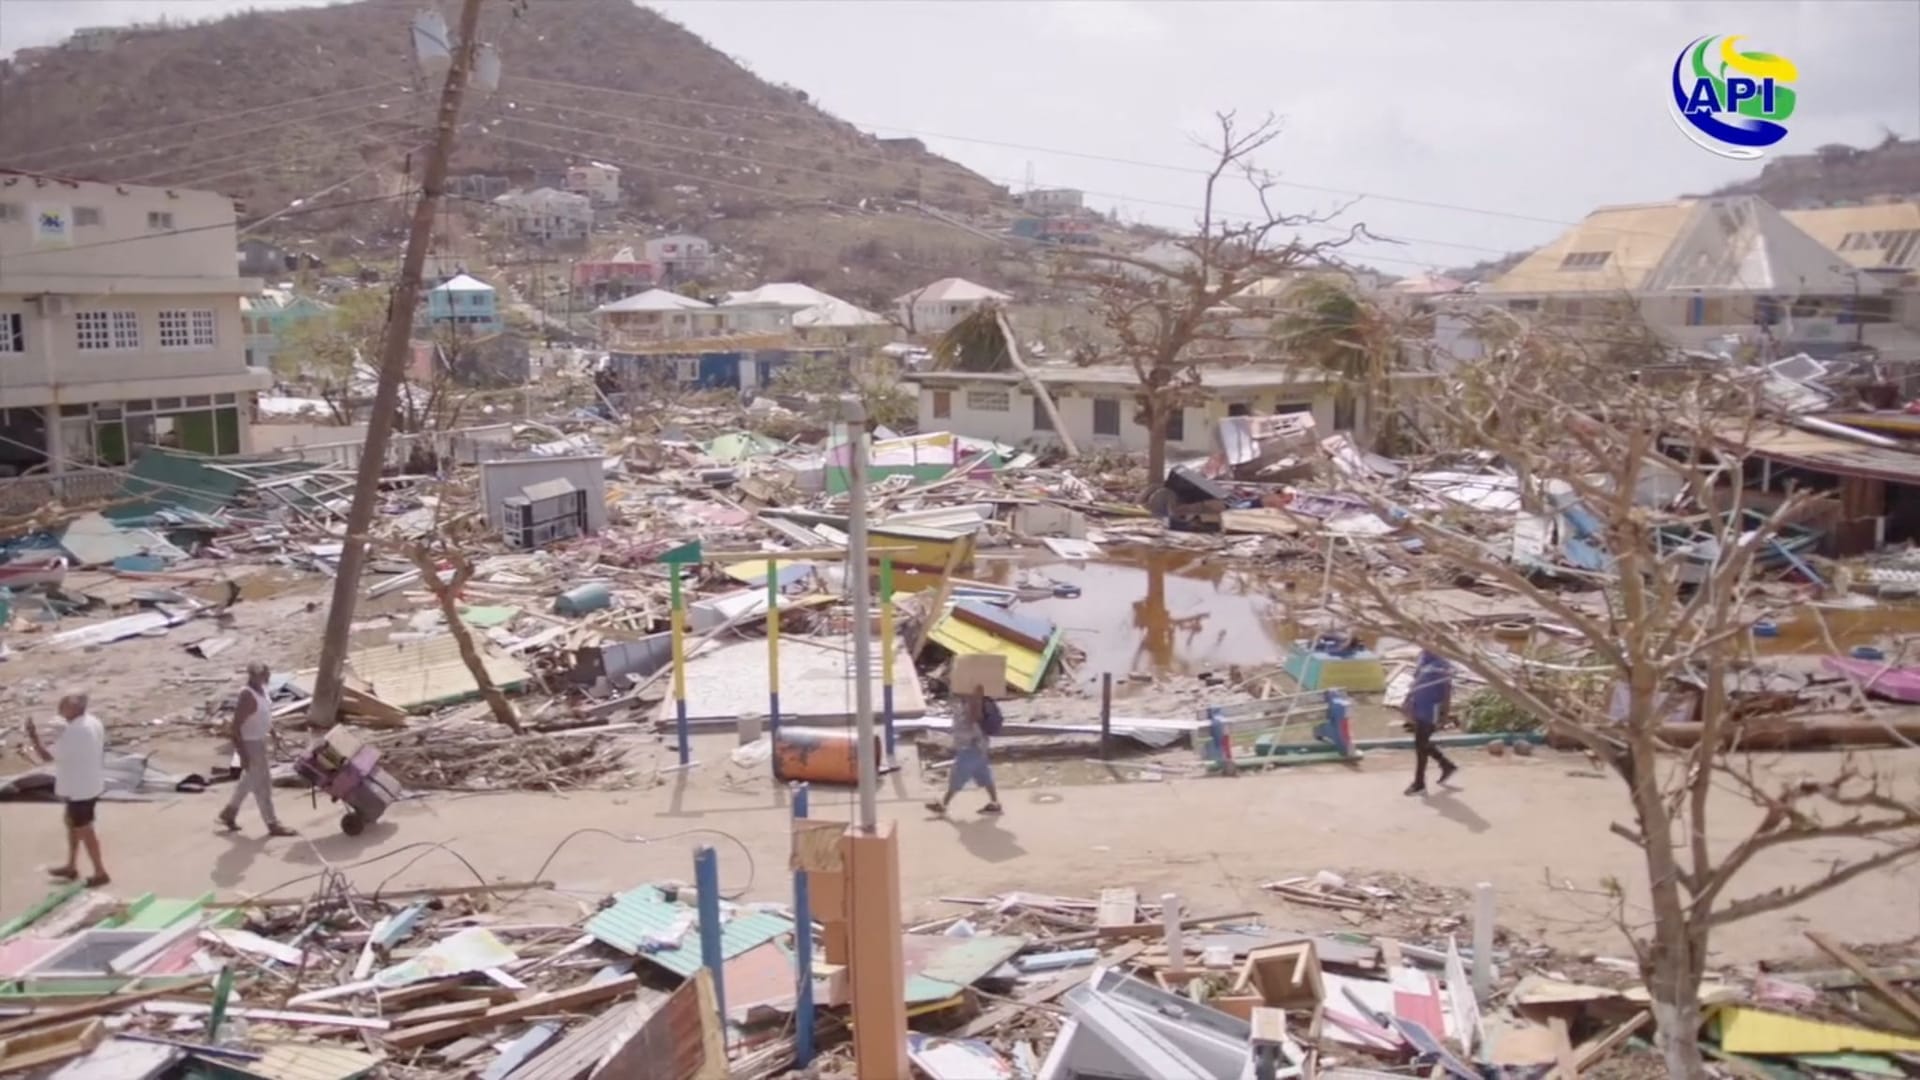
349,772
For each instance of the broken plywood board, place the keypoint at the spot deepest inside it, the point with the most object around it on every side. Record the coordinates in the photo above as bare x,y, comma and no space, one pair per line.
816,682
419,675
309,1061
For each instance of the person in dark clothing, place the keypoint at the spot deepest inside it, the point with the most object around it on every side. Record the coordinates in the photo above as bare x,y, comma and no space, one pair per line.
1427,705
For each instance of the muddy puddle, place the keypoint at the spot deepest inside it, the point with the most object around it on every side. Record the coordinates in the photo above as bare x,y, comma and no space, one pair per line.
1154,612
1886,626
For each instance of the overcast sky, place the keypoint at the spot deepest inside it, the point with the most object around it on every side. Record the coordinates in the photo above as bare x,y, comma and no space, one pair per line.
1515,116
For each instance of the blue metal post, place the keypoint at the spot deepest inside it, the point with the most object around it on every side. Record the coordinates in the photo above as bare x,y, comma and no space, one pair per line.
706,878
803,1019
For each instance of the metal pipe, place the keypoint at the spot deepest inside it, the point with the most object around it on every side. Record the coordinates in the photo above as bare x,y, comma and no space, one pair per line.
803,1018
706,878
855,415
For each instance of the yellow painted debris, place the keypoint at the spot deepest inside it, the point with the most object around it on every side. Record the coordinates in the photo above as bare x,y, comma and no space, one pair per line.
1754,1031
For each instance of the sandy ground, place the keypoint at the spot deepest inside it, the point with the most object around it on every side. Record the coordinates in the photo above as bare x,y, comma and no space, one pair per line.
1535,828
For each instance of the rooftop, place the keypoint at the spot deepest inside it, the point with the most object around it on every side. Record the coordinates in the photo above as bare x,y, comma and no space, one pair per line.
1226,378
1738,243
654,300
951,290
781,294
462,283
1882,236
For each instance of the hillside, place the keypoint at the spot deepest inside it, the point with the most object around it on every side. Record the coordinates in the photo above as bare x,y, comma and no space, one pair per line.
1837,175
275,106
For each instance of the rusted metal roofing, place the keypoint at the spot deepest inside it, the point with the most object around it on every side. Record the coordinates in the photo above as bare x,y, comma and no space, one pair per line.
645,915
1826,454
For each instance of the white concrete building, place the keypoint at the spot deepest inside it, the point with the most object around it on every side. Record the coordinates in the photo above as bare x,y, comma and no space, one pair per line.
1096,403
598,181
547,215
769,309
119,324
936,308
681,257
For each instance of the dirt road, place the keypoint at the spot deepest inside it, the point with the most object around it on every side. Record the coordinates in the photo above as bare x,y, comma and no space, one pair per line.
1536,829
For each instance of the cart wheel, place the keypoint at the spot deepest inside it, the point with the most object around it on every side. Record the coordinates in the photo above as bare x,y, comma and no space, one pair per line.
352,823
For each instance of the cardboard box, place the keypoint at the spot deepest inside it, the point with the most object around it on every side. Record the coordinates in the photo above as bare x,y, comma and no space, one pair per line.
979,671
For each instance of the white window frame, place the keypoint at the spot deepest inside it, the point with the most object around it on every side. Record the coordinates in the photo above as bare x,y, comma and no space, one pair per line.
108,331
13,334
10,211
160,220
85,217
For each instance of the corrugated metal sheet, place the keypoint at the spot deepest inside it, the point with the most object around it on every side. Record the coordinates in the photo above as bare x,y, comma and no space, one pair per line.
1025,667
419,674
938,967
1832,225
646,911
1824,453
1753,1031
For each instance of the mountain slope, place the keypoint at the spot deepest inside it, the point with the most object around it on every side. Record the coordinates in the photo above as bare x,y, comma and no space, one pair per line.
274,106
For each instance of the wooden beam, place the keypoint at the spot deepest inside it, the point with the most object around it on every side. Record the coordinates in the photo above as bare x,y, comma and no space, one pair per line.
1594,1051
558,1001
110,1003
1888,992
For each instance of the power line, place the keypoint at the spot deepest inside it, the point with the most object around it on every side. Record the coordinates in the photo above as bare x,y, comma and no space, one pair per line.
1489,300
94,164
185,172
199,181
148,132
1164,166
1322,226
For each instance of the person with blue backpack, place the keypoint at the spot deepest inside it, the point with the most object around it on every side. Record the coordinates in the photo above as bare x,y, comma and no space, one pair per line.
974,727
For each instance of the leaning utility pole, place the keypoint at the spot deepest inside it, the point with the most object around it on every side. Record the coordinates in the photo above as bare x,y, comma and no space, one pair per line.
325,707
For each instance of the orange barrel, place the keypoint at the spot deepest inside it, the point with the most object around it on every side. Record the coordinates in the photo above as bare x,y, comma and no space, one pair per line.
820,754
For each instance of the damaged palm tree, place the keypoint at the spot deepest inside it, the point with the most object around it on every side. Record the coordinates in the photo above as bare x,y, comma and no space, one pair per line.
1164,312
984,341
1653,590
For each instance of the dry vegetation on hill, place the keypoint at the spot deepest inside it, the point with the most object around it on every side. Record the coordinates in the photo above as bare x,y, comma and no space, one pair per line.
272,106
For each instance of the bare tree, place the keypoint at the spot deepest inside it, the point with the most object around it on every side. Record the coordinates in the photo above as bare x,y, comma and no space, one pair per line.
1644,476
1164,316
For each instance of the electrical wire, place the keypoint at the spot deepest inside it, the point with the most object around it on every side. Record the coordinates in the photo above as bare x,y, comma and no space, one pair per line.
192,143
189,175
490,887
1058,151
1010,181
222,118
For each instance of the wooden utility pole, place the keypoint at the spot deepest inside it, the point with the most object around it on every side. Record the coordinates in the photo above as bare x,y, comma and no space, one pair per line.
393,365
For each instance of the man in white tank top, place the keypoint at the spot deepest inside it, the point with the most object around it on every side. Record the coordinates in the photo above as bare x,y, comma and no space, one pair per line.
252,724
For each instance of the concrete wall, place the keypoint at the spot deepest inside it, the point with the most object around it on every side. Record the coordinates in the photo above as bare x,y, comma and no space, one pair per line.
199,242
505,478
54,367
974,417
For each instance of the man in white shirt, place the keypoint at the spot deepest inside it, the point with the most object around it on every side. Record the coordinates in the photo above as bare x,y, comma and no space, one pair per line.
79,779
252,724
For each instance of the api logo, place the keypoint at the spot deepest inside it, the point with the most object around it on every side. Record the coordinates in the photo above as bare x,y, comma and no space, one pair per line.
1729,102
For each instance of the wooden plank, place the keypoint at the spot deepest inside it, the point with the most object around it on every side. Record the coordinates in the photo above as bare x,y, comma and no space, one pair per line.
1152,929
111,1003
558,1001
44,1047
1566,1067
587,1045
1888,992
272,1016
434,1014
1593,1051
1118,907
